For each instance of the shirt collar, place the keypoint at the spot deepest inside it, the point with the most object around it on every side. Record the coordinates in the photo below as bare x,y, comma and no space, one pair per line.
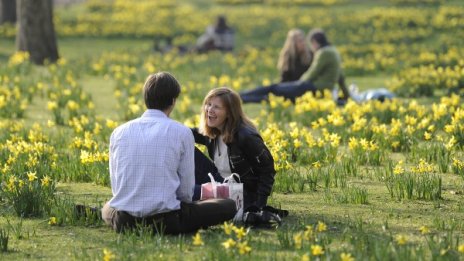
153,113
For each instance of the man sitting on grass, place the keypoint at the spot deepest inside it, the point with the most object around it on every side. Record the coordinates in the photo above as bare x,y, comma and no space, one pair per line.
152,170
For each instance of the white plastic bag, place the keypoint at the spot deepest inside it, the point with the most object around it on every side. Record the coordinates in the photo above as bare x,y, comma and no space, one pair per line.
229,189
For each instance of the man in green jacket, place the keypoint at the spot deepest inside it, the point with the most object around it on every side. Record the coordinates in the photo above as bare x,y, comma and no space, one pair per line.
325,71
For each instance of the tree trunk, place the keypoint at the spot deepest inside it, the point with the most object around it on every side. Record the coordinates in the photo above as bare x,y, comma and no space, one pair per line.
7,11
36,33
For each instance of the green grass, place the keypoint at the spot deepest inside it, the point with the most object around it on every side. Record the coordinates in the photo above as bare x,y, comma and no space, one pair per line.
91,47
7,48
100,89
74,48
41,241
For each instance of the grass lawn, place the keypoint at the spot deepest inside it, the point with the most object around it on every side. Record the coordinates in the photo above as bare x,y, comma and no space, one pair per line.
35,239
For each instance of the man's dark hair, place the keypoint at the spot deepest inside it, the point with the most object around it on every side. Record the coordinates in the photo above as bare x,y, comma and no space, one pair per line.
160,90
319,36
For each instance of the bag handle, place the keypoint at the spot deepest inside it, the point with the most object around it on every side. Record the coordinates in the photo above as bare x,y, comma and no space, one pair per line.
213,184
230,179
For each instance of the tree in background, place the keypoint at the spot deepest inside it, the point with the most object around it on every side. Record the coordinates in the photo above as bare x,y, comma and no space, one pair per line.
36,32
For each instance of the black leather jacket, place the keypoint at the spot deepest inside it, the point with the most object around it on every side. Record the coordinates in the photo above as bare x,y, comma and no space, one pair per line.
251,159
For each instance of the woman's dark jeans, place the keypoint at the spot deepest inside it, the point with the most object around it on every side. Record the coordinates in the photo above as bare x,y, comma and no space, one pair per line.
289,90
203,166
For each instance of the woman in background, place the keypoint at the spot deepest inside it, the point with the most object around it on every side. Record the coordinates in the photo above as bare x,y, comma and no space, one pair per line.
295,56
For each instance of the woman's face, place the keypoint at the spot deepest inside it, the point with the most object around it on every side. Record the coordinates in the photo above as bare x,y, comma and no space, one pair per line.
216,113
299,43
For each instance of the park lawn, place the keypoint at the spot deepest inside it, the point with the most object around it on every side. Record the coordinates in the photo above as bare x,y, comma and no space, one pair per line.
382,216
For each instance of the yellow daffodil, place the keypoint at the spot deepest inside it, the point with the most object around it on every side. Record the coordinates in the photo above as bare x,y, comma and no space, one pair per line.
308,233
450,144
72,105
45,181
108,255
346,257
11,183
229,243
243,248
240,232
398,169
197,241
444,251
424,230
317,250
305,257
298,240
228,227
427,135
51,105
31,176
111,124
364,143
353,143
401,239
461,248
449,128
321,227
52,221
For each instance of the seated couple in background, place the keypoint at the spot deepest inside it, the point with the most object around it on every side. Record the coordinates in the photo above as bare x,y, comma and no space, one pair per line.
155,168
323,71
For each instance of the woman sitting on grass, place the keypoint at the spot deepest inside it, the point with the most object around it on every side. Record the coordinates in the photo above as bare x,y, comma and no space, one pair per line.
235,146
295,56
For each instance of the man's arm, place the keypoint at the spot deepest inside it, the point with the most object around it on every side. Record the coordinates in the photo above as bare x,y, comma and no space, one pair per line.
112,167
316,68
186,170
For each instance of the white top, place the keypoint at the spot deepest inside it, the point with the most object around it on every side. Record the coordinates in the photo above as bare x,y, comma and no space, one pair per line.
151,165
221,159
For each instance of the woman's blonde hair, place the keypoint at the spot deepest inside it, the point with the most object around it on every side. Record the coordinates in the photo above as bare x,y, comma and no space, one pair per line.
289,52
235,115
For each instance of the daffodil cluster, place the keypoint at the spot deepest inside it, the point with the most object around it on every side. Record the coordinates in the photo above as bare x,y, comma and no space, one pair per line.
420,181
29,196
313,238
15,91
237,241
458,167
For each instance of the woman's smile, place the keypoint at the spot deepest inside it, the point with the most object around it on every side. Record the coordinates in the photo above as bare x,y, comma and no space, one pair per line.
216,113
